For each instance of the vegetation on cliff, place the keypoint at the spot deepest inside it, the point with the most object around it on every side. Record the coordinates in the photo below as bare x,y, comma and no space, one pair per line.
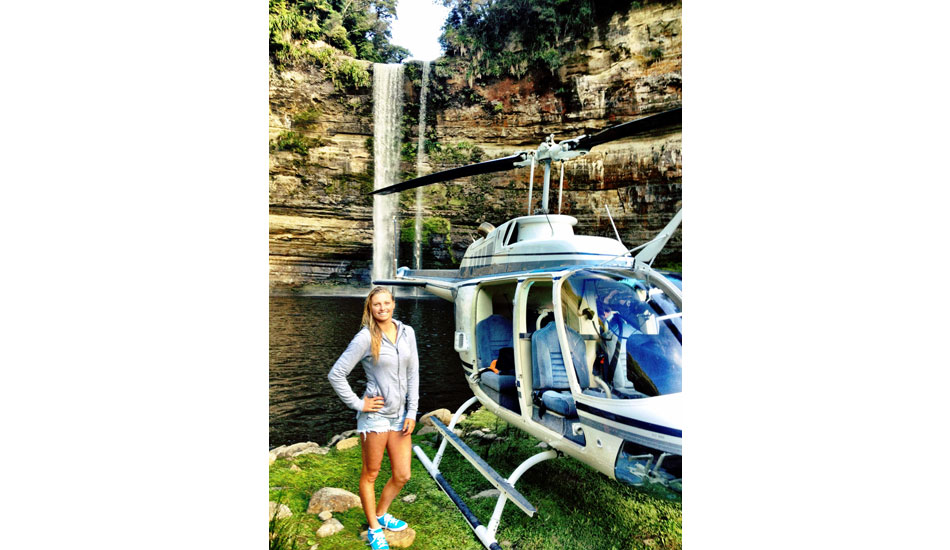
497,38
358,28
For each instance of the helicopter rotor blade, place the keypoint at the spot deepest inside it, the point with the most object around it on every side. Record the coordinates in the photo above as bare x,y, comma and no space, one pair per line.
666,119
495,165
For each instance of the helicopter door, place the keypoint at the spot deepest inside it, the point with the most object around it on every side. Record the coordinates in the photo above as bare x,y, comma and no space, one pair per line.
494,344
552,404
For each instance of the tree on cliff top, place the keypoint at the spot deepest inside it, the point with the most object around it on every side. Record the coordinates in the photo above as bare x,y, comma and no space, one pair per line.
359,28
495,38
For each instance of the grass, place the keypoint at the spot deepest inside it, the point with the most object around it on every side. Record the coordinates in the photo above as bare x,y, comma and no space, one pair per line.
578,507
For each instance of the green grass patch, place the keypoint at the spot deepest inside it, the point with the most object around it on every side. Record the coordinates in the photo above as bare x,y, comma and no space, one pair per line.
578,507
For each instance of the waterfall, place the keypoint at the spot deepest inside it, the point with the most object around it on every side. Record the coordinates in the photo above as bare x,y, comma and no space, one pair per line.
387,115
420,160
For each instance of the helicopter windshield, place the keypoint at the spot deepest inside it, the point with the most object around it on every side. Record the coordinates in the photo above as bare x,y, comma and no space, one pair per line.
639,328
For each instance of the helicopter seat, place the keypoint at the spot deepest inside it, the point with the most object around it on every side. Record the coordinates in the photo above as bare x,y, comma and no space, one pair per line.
492,334
549,373
500,386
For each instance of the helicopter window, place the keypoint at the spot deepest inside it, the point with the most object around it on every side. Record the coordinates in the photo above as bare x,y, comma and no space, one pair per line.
512,234
640,333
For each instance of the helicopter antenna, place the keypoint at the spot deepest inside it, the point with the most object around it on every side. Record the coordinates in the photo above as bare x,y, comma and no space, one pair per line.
611,218
549,222
647,256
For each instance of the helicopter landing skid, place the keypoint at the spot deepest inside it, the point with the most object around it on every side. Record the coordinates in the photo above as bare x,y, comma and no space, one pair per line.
504,486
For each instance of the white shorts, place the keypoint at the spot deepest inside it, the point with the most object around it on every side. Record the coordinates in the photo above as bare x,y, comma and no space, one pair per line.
375,422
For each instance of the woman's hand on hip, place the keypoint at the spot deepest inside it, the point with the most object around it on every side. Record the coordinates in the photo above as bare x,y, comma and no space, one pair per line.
373,404
408,426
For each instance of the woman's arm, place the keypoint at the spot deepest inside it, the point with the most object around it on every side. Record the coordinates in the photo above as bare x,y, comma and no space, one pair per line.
355,351
413,377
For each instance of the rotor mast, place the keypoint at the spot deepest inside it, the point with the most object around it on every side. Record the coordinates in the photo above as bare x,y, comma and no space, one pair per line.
547,153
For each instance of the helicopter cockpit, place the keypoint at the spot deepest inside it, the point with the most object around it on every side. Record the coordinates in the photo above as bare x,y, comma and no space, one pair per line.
638,331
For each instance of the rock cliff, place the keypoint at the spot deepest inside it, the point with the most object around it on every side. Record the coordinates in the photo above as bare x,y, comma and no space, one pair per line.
321,151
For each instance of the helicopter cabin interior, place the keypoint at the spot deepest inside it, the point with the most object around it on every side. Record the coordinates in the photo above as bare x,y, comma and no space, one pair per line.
535,344
623,335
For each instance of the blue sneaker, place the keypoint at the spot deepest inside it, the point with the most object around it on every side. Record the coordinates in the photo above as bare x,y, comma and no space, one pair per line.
389,522
377,540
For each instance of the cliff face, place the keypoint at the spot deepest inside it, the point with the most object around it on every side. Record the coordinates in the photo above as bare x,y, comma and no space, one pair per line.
321,217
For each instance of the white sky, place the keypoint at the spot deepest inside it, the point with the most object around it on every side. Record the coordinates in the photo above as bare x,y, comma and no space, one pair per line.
418,26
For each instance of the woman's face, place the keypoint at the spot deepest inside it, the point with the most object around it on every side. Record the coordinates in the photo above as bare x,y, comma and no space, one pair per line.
381,306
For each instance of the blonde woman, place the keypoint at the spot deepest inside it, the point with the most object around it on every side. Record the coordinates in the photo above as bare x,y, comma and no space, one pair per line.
387,410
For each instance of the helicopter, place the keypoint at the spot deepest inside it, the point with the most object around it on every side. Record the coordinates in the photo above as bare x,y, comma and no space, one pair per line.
574,339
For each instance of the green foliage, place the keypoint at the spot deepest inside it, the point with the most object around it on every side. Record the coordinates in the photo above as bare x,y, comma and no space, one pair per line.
308,117
409,151
283,532
510,37
459,153
430,226
358,28
349,74
292,141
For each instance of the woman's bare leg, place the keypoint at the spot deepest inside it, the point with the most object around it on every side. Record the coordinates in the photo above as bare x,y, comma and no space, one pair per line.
373,444
399,447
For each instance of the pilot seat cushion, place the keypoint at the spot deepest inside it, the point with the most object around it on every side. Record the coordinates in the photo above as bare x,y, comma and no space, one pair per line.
560,402
499,382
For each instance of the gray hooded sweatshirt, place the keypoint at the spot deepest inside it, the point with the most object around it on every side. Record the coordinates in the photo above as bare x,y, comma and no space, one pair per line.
395,376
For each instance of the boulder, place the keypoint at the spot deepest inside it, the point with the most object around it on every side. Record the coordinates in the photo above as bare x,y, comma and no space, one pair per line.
332,499
338,437
396,539
281,510
444,415
347,443
325,515
330,527
297,449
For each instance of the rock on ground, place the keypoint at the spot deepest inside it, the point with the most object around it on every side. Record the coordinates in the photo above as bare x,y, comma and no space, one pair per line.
338,437
329,527
444,415
347,443
488,493
409,498
281,510
325,515
332,499
396,539
297,449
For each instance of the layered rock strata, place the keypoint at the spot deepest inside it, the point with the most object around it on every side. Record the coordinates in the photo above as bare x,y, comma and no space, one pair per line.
320,214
